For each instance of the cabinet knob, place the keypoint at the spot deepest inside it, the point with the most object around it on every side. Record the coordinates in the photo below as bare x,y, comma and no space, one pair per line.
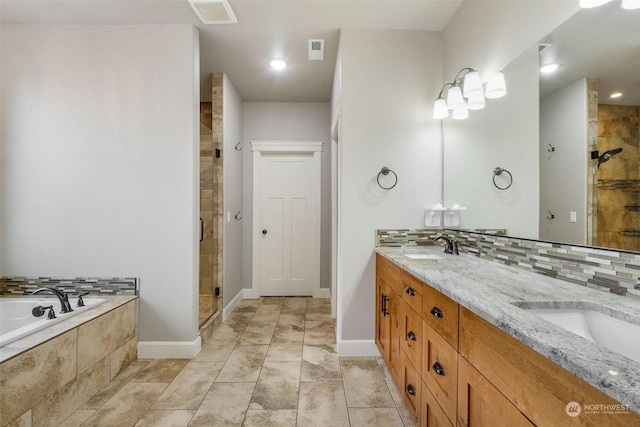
264,231
437,312
411,390
411,336
438,369
411,292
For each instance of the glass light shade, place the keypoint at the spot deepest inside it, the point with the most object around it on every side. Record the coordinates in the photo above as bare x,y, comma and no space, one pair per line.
630,4
592,3
476,101
472,84
496,87
440,110
460,113
454,98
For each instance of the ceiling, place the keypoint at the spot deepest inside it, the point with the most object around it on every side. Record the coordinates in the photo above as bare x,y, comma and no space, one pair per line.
602,42
265,29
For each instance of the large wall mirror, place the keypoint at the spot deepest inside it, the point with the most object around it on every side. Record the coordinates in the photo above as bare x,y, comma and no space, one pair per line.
572,149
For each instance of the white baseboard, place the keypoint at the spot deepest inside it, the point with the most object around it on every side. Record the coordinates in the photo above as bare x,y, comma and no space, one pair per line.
357,348
226,312
169,349
323,293
250,294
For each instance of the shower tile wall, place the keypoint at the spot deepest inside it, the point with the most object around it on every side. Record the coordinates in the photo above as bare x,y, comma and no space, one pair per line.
592,144
619,179
206,199
218,208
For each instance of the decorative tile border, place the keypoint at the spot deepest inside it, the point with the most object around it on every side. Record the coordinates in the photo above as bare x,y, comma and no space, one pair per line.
420,237
98,286
604,269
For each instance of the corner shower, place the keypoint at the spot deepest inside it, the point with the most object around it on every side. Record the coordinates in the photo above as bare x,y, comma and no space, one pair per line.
210,276
617,186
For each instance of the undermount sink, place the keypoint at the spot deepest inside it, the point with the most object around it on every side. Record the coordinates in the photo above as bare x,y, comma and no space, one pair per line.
422,256
587,320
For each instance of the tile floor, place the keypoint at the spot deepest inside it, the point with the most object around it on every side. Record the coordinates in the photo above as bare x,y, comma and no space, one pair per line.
272,363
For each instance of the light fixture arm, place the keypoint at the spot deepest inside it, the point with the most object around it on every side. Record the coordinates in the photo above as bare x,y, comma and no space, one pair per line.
443,88
458,78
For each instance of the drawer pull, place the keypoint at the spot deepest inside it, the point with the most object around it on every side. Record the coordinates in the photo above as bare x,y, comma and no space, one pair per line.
411,336
438,369
437,312
411,292
411,390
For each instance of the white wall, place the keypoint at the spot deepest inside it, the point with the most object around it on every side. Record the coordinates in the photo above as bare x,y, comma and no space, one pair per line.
488,35
232,183
503,134
563,173
287,121
389,82
100,162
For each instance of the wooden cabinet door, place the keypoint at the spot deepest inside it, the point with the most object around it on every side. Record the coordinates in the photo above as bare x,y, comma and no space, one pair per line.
431,414
480,404
383,319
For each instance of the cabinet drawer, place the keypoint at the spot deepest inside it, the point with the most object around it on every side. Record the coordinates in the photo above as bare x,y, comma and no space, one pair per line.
441,313
411,335
431,414
411,387
412,290
440,370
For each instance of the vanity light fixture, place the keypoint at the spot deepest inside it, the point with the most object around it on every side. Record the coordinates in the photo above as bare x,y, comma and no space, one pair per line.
466,93
277,64
615,95
626,4
549,68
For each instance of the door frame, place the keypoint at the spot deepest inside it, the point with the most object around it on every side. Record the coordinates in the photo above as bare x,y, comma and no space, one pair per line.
284,147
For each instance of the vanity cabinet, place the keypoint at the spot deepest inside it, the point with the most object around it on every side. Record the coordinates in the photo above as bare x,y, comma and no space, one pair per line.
453,368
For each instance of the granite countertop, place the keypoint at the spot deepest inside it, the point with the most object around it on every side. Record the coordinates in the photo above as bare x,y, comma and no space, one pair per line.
23,344
492,290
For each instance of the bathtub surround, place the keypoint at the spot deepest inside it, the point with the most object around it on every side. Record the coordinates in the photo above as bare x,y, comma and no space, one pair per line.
607,270
97,286
46,376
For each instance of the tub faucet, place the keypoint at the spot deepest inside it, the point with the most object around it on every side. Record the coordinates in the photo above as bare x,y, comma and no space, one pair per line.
450,247
62,297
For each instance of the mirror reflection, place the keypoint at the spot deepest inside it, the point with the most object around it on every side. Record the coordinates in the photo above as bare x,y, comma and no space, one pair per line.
582,183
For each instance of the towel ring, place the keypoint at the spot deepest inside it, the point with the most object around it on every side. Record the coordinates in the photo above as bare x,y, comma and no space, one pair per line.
497,172
385,171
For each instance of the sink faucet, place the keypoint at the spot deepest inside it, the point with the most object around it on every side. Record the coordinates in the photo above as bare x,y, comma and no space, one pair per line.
62,297
450,247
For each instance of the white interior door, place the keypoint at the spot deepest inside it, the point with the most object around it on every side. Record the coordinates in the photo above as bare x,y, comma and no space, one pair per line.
287,222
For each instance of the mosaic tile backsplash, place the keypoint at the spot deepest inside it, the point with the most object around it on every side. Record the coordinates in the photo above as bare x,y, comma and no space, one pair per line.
603,269
98,286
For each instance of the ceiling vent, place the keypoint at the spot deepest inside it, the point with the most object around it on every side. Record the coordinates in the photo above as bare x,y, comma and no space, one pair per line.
214,11
316,50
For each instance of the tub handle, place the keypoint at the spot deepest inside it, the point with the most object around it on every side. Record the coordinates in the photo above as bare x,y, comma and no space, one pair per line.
80,300
39,310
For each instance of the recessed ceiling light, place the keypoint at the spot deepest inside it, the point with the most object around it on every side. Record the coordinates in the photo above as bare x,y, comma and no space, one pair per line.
549,68
615,95
277,64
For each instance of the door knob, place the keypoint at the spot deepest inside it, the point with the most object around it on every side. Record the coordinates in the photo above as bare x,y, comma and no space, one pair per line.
264,231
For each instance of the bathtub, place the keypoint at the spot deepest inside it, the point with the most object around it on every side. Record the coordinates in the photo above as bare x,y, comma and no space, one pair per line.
17,321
